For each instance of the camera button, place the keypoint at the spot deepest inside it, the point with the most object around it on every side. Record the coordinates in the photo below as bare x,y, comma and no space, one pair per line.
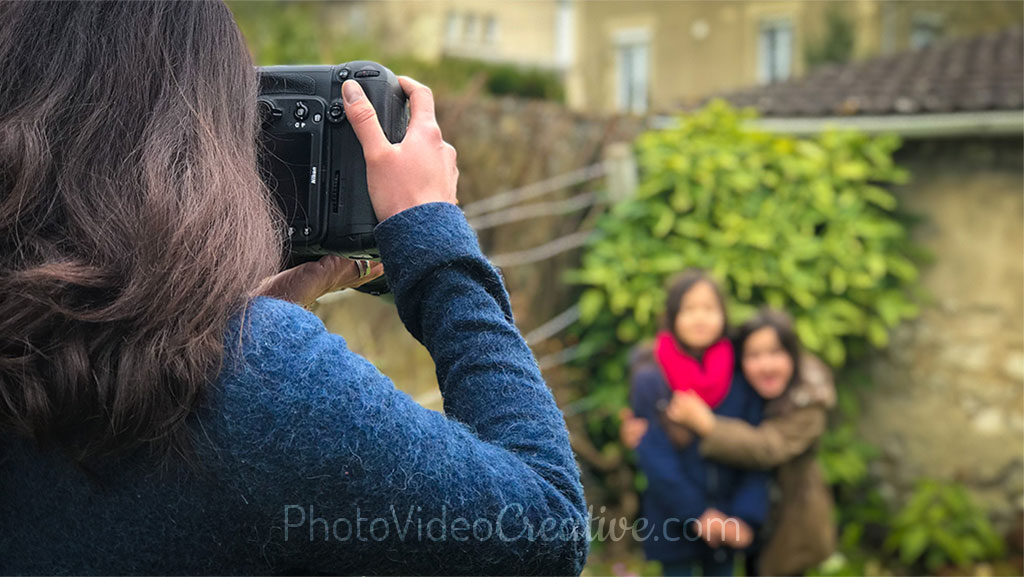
301,112
366,73
343,73
336,112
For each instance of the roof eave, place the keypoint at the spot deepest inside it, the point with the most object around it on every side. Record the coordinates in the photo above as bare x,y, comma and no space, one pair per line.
908,126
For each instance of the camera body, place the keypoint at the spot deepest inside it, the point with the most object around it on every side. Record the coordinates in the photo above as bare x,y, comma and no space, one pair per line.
312,160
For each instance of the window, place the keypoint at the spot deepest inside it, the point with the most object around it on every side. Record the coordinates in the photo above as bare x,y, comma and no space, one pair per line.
470,32
774,51
631,60
451,28
925,29
490,29
564,30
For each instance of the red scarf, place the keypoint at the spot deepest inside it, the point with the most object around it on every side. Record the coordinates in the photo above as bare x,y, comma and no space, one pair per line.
710,379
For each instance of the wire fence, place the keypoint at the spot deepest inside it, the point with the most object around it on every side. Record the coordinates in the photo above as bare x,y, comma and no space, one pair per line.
513,206
547,186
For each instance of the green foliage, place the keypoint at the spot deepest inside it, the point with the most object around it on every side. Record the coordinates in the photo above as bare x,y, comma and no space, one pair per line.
862,516
524,82
843,455
803,225
836,44
298,33
940,525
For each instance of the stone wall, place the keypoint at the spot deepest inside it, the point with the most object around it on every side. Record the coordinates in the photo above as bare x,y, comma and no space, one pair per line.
948,399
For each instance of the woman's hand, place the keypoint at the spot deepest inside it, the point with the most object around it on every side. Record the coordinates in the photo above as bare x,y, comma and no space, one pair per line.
420,169
719,529
737,534
305,283
632,429
687,408
712,527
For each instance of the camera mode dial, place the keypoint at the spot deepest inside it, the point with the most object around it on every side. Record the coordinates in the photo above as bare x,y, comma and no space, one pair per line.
336,112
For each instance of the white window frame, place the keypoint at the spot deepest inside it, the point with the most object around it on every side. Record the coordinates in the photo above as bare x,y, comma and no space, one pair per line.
632,70
925,28
453,27
770,66
565,29
471,28
491,30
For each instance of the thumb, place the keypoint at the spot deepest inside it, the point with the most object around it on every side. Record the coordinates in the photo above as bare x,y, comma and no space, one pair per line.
363,118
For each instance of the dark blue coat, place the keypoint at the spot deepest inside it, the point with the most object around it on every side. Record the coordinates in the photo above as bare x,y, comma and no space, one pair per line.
310,461
681,485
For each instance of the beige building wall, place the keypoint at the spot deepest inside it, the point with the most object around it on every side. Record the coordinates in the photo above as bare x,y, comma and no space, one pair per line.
524,33
901,24
694,48
699,48
527,33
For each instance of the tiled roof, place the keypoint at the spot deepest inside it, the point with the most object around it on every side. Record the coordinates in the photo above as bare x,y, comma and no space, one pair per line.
967,74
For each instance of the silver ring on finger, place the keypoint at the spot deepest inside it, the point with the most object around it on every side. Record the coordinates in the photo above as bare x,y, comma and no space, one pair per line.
364,267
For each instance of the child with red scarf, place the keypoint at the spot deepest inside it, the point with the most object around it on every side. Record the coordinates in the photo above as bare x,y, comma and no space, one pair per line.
701,512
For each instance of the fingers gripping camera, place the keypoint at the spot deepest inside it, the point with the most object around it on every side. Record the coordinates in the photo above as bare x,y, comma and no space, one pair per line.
312,161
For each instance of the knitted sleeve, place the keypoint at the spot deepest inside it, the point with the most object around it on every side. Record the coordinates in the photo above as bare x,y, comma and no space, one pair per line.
362,479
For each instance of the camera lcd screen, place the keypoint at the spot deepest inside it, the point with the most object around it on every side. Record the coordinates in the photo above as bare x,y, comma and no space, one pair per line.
286,167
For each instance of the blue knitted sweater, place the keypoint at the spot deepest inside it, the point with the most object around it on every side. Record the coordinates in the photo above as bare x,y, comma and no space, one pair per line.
311,461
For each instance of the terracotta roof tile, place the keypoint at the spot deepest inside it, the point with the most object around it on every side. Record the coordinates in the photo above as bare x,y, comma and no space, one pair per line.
967,74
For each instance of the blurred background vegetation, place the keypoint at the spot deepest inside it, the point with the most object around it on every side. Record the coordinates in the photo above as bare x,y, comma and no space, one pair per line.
873,190
292,32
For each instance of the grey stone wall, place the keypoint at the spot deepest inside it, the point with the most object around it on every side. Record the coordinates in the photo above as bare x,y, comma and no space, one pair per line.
948,399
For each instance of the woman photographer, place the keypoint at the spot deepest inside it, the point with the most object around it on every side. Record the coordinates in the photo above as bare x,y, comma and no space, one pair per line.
166,404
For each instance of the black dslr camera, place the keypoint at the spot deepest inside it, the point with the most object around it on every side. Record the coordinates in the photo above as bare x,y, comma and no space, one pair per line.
312,161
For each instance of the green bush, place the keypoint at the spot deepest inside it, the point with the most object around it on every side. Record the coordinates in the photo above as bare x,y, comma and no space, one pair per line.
527,83
836,45
802,225
939,526
843,455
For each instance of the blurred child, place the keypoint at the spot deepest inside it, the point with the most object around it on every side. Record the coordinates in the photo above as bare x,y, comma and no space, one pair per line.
698,513
799,392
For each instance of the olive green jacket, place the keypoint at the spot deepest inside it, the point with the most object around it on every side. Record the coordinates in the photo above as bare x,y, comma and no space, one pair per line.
801,531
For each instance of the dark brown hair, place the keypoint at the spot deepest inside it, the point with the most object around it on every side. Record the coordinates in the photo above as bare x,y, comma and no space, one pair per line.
782,324
678,286
133,223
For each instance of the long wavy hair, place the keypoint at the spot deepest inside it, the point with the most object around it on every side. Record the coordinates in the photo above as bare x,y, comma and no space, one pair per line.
133,222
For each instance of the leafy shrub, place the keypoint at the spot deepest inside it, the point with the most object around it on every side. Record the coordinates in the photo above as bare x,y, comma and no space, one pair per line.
940,525
843,455
802,225
836,45
524,82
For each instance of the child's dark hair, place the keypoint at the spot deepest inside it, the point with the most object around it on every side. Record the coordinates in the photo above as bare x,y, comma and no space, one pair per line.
782,324
681,284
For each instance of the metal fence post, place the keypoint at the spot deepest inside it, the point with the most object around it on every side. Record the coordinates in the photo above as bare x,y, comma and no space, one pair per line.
621,171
